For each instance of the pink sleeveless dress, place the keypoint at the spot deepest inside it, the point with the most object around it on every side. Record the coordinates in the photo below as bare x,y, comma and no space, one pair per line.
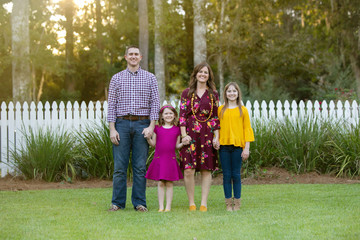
164,165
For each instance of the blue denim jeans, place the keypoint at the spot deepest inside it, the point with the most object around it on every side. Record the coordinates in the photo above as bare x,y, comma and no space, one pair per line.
231,161
131,139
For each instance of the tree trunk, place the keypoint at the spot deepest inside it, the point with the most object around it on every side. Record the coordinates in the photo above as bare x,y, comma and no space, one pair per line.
189,28
41,86
159,50
98,25
220,62
199,32
144,33
21,75
69,46
356,70
99,44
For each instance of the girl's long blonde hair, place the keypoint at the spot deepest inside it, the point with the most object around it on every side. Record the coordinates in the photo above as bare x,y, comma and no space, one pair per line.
226,100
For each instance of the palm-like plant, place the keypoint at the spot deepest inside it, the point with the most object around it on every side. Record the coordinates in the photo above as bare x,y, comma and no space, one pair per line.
45,154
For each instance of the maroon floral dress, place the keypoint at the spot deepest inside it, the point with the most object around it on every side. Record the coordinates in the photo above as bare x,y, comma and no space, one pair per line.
200,154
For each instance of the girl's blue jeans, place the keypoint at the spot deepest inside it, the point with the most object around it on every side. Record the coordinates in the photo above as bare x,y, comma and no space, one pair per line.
231,161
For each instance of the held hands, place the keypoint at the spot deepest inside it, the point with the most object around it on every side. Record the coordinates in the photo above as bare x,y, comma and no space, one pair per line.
148,132
245,154
186,140
114,136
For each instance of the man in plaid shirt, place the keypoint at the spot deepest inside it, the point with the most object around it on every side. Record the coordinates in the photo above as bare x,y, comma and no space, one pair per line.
133,108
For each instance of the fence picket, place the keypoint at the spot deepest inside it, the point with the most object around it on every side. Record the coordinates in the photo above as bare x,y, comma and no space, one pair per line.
76,121
256,109
355,112
249,108
47,115
11,133
309,109
69,115
40,114
339,110
98,113
272,113
3,140
54,115
19,127
294,110
324,110
264,111
83,115
279,110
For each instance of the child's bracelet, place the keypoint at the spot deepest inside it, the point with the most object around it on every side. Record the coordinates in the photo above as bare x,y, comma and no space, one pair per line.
184,136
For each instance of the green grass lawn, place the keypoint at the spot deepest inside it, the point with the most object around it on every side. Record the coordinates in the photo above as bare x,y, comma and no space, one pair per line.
295,211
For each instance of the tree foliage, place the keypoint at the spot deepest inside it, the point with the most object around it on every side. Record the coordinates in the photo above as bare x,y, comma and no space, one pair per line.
274,49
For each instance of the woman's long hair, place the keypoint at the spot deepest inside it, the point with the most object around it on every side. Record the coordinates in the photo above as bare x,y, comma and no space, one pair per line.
226,100
193,82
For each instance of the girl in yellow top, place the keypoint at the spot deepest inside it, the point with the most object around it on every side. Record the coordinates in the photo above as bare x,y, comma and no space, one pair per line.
235,137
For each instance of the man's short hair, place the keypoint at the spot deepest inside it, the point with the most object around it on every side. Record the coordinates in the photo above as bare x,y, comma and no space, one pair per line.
132,46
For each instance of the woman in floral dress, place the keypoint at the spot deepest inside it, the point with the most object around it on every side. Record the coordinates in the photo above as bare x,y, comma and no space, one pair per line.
199,126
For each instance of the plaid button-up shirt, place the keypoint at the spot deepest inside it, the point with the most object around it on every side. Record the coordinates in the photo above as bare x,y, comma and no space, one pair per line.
133,93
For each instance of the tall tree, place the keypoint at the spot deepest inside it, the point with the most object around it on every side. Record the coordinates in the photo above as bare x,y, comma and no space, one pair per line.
159,49
144,33
5,55
189,28
100,49
69,11
346,26
199,32
20,49
220,60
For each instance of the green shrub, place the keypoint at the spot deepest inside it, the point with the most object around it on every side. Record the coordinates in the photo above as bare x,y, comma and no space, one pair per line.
95,157
46,154
263,149
299,143
344,149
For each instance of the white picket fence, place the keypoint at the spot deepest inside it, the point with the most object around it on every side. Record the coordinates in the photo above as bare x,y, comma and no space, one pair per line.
14,119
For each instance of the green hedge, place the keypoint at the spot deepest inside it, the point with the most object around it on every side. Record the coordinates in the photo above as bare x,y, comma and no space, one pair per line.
300,146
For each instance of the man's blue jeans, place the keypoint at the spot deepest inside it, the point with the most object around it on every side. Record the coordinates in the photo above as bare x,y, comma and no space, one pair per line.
231,161
131,138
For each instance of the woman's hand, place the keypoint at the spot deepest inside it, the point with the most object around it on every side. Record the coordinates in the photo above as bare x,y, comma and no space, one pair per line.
245,154
216,143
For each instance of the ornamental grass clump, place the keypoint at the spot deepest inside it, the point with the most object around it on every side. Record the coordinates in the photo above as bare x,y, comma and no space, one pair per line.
299,143
344,149
263,149
95,157
45,154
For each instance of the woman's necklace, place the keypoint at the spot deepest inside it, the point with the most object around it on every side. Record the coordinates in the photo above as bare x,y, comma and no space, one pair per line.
193,111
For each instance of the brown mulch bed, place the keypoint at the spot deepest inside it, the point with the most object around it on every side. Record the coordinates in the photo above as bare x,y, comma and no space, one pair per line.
266,176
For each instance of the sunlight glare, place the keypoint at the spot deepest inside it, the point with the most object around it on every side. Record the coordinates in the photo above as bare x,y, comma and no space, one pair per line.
82,3
79,3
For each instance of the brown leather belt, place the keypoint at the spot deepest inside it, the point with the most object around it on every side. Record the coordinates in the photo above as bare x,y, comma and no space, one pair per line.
133,117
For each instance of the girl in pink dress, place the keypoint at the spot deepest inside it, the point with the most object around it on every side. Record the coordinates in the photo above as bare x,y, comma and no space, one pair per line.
164,167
